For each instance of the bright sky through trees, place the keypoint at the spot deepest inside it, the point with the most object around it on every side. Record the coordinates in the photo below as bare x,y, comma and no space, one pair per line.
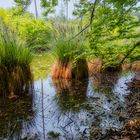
10,3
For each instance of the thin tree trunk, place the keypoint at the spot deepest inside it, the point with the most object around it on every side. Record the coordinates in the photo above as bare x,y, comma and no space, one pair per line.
67,14
36,11
43,121
91,20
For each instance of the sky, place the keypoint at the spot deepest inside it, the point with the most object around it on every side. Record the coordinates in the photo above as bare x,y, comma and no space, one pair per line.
9,3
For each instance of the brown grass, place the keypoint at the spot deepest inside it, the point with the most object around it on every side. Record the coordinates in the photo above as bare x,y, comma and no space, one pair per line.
65,70
135,66
95,66
61,70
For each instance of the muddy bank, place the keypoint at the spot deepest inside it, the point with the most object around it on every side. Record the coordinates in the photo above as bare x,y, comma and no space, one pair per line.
95,66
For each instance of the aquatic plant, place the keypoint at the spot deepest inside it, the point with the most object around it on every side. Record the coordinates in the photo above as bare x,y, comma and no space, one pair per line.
15,59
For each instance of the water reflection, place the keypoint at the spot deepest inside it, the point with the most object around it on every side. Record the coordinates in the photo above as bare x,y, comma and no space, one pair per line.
111,89
16,117
104,82
71,94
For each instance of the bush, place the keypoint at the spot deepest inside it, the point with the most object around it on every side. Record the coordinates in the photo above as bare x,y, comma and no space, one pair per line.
35,32
112,36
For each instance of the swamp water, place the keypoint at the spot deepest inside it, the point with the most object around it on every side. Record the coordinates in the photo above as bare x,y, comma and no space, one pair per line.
66,110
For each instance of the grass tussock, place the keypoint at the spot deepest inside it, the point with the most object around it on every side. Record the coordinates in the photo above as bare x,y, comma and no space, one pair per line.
15,59
71,62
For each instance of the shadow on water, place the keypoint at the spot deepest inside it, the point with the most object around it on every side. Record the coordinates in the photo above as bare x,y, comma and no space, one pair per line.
69,109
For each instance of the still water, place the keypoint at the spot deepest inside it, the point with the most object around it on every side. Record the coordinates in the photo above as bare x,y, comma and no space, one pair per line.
66,109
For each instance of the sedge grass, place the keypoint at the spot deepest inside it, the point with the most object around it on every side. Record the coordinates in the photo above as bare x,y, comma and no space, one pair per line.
15,59
70,55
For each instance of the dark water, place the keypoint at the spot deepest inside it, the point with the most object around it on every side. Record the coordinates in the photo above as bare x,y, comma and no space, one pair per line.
66,110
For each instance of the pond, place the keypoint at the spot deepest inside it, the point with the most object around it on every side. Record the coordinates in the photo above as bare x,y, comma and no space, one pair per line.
66,109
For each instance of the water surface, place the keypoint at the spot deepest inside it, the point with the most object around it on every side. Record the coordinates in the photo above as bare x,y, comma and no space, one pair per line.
67,109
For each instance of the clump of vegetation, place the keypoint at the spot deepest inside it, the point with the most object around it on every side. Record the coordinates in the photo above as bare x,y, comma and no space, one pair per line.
69,64
70,55
15,59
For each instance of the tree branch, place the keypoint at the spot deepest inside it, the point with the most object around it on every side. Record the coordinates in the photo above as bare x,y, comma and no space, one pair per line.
91,20
129,52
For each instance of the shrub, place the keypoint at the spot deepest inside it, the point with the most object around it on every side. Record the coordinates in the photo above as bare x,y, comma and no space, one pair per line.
112,36
35,32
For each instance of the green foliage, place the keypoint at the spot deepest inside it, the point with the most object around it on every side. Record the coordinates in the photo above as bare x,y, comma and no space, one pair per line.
111,26
49,6
21,6
82,8
34,32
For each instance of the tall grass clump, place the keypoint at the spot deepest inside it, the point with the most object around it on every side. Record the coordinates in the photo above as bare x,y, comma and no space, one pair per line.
71,60
15,60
